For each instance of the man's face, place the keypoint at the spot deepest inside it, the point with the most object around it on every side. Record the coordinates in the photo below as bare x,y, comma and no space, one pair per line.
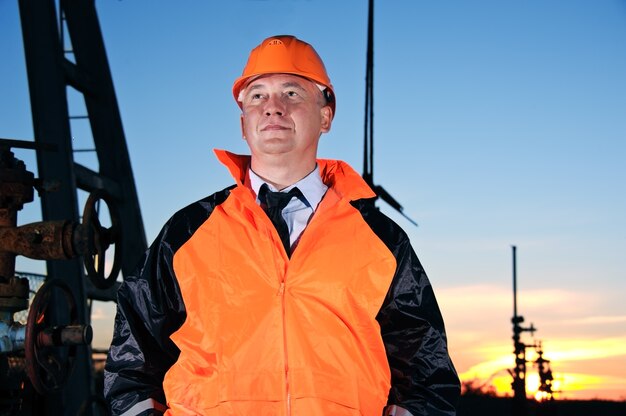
284,115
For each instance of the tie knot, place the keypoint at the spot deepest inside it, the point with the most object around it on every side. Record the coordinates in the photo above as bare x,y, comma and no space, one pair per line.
277,200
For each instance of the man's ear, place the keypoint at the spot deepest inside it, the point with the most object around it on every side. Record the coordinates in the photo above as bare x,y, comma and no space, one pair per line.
327,118
243,132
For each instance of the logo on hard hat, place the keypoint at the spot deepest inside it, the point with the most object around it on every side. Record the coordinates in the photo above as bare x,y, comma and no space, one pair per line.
275,42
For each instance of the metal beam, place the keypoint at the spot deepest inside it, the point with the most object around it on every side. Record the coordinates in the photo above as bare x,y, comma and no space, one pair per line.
47,86
106,123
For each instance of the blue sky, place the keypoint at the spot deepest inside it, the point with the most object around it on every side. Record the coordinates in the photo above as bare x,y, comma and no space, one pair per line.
496,123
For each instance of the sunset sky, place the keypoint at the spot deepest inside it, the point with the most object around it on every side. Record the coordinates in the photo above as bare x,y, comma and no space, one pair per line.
497,123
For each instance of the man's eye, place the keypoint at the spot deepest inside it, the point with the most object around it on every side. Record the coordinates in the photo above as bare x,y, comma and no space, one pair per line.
255,97
291,94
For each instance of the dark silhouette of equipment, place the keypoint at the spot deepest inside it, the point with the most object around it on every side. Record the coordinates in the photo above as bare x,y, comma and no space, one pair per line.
368,156
48,364
99,239
54,327
63,47
520,405
545,373
520,401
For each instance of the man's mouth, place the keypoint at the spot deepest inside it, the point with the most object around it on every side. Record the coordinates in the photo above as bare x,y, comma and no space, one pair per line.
273,127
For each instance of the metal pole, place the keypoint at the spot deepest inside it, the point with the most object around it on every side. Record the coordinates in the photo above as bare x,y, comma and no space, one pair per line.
519,373
514,282
368,154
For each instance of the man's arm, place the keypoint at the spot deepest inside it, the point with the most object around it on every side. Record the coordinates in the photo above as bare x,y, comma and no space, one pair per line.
423,378
149,310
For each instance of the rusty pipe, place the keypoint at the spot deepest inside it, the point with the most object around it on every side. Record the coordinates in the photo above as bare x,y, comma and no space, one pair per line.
46,240
65,335
8,219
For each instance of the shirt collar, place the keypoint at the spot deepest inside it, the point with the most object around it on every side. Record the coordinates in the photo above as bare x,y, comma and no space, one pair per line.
335,174
311,186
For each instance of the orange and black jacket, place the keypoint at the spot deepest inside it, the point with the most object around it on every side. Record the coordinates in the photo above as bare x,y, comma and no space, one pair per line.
218,320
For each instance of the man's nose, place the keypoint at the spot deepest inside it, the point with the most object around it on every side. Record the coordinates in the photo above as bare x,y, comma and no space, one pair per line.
274,105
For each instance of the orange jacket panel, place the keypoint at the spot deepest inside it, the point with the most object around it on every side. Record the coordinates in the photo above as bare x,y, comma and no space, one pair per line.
269,335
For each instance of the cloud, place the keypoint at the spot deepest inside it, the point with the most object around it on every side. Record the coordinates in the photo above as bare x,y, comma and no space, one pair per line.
99,314
103,311
486,309
486,296
495,357
587,381
579,349
487,369
486,304
472,302
594,320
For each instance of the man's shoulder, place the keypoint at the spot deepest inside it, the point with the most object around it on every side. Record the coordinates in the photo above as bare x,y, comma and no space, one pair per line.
384,227
187,220
201,208
206,204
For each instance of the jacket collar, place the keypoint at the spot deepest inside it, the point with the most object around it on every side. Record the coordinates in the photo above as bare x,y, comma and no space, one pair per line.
336,174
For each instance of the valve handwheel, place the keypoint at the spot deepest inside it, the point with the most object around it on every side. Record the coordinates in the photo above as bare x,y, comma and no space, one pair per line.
48,366
99,239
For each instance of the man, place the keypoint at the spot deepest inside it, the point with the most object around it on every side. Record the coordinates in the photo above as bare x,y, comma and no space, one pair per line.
318,306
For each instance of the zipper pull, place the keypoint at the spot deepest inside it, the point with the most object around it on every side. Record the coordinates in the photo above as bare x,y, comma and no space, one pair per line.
281,289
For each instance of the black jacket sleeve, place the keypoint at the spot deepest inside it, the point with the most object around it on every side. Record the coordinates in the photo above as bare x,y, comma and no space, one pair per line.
149,309
423,378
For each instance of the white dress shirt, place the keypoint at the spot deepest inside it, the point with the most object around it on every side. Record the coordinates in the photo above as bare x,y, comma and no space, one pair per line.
298,212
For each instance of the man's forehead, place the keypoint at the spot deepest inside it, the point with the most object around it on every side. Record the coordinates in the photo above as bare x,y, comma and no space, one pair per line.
282,79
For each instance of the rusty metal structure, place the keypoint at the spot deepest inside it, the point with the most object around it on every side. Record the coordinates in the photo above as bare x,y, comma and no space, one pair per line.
46,362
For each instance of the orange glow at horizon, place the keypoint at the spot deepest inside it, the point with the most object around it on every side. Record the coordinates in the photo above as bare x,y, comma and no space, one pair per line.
587,351
565,385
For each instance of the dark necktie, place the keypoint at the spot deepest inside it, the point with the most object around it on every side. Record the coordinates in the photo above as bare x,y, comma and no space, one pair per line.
274,203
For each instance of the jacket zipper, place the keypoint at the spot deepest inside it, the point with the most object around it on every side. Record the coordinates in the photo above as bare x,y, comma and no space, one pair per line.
281,292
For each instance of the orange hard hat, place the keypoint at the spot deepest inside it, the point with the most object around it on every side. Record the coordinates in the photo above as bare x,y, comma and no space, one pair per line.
286,54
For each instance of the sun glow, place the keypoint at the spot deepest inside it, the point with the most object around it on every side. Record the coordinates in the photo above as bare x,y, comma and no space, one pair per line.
500,384
584,365
493,376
